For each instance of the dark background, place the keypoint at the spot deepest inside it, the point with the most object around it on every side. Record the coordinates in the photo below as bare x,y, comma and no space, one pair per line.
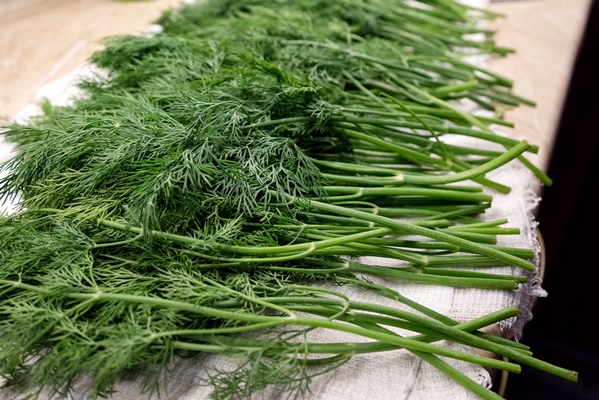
564,329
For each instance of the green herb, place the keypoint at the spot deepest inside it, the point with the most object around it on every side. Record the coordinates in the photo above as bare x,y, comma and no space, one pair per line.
230,167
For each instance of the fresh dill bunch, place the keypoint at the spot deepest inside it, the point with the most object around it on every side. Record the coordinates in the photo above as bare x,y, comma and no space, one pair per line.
190,199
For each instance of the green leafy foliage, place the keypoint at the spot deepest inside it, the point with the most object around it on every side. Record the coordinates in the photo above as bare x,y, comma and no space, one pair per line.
196,199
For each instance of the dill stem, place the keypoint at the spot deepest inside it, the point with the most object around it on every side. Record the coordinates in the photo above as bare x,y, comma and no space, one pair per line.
485,224
397,180
469,274
458,377
444,329
394,253
487,231
416,230
399,242
488,134
471,236
517,251
460,87
503,159
409,191
303,226
416,276
457,130
400,179
458,212
455,164
459,166
470,261
469,326
360,348
215,331
426,334
404,152
423,111
357,168
498,79
250,249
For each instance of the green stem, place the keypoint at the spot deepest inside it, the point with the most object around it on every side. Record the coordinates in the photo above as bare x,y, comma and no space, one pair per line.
409,191
457,130
410,179
449,331
416,230
415,276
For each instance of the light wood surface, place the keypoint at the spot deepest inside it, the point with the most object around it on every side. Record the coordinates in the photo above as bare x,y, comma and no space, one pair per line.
545,35
42,40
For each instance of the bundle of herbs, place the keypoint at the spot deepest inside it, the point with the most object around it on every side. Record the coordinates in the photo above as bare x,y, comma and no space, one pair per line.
198,198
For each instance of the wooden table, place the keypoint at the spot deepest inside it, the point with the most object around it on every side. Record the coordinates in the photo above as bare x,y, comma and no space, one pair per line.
545,35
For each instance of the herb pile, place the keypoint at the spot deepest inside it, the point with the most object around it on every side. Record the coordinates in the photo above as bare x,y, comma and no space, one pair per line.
229,167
